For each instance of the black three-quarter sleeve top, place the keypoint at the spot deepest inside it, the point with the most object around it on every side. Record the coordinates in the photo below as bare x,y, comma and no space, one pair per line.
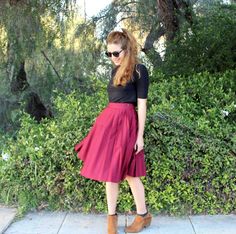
135,88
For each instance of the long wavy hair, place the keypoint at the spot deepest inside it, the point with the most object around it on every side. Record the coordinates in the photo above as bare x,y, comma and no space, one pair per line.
129,45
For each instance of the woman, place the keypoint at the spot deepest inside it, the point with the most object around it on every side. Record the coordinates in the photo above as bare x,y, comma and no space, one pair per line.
113,149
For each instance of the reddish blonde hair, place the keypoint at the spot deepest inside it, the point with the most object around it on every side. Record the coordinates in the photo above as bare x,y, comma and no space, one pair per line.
129,45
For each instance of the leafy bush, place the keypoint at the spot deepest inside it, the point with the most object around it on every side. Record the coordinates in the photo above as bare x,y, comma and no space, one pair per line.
209,45
192,126
42,169
190,151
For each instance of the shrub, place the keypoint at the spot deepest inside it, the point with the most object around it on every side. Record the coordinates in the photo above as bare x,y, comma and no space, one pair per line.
192,164
189,144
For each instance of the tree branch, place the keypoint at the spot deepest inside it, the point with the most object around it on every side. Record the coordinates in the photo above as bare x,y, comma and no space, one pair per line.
124,18
45,56
153,36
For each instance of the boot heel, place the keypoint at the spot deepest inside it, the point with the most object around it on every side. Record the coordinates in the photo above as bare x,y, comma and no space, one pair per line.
147,225
148,222
112,224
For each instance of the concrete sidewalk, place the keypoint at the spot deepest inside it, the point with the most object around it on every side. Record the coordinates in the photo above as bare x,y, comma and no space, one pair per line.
45,222
7,215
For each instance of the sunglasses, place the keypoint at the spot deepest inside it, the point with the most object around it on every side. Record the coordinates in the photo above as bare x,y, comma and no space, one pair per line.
115,54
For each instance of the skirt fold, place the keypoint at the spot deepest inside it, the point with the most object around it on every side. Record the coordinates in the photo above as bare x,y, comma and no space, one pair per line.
107,151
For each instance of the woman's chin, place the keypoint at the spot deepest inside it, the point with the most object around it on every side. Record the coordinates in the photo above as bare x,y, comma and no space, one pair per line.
117,63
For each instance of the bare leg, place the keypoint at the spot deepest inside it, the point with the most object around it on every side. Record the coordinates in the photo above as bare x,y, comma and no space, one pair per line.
112,191
137,189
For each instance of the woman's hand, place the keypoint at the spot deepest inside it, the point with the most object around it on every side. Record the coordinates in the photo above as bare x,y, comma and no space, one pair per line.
139,144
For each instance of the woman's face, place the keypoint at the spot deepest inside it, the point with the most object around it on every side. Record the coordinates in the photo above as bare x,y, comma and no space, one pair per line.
111,48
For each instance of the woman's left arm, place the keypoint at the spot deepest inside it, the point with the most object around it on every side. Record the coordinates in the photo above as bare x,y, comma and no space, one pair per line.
142,110
142,93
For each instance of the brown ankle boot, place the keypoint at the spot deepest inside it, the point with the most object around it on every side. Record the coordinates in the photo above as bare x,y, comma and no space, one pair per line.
112,224
139,223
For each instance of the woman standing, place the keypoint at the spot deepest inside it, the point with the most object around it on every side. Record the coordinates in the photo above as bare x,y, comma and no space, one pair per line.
113,149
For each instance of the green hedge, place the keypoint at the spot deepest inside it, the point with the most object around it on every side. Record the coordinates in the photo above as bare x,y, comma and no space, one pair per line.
190,151
193,164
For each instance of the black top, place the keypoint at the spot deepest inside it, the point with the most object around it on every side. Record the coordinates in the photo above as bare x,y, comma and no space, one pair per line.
136,88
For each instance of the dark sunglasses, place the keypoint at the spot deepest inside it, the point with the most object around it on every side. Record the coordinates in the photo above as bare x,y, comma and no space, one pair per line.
115,54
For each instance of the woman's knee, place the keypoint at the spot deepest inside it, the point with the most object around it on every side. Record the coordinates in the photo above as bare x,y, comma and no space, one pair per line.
131,179
112,184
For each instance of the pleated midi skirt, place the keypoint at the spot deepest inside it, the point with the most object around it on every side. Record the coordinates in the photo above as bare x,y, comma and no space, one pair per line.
107,151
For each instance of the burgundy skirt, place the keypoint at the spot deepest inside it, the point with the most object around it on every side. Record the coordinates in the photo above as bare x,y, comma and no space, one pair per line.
107,151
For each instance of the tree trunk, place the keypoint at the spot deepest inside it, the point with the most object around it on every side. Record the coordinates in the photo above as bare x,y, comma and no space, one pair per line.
149,49
20,83
166,12
169,10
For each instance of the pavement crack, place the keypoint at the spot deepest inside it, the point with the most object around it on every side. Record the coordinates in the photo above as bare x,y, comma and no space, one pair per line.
62,223
192,225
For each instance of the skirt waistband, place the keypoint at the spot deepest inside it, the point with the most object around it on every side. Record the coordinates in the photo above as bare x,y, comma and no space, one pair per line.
121,105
